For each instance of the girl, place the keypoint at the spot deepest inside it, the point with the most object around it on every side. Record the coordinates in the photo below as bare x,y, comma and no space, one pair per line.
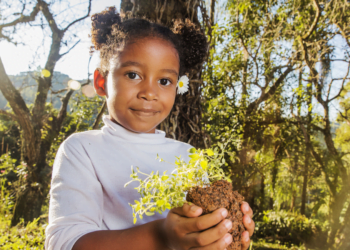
141,63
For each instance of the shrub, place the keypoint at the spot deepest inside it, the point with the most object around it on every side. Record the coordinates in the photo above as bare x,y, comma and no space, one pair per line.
286,228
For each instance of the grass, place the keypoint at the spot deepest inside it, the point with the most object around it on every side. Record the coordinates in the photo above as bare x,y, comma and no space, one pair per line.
31,236
263,245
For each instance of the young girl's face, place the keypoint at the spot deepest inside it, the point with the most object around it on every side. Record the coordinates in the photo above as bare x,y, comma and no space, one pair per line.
141,84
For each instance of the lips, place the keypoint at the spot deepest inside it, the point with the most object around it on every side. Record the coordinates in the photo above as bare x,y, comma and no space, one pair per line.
144,112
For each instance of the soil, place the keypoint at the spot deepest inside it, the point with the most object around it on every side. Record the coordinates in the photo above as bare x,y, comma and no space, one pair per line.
220,194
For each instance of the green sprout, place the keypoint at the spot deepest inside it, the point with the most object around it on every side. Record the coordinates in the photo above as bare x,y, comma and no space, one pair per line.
160,192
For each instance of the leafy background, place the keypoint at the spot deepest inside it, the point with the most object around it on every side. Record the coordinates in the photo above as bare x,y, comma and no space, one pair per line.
277,81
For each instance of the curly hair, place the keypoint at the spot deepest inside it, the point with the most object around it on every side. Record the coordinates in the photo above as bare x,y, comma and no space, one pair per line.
110,34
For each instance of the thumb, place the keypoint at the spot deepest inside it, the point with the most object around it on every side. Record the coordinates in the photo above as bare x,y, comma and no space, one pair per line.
187,210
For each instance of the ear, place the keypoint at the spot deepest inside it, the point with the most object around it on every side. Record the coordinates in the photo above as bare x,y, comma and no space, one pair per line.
99,83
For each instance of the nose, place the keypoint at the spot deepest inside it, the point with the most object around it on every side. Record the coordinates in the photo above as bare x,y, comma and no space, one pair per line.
148,90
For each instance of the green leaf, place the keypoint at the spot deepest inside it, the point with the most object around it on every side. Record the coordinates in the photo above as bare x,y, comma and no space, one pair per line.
192,150
210,152
135,220
160,203
149,214
168,206
204,165
194,156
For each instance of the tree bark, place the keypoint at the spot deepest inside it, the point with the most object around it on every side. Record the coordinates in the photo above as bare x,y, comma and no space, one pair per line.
262,194
184,121
274,179
307,153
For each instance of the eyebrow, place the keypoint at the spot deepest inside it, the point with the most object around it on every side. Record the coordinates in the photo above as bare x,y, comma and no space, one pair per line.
132,63
171,71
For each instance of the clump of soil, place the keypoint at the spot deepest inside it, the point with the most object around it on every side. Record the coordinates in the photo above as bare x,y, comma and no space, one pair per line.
218,195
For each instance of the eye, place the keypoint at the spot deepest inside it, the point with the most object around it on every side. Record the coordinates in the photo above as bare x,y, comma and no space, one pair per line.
164,82
133,76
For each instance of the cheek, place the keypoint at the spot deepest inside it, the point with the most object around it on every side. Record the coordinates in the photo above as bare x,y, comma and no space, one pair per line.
170,99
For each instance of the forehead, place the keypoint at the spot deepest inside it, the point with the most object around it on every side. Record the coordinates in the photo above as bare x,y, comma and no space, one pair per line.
152,52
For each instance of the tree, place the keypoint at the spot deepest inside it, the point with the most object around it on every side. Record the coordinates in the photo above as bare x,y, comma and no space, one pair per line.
40,125
316,47
265,76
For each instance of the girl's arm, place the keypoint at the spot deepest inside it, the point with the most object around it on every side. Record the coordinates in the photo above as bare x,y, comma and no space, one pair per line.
149,236
76,197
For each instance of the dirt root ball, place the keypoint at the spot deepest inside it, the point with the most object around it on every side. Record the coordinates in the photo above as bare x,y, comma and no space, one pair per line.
218,195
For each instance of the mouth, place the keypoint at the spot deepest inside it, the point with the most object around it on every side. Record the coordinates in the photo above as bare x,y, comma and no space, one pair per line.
145,112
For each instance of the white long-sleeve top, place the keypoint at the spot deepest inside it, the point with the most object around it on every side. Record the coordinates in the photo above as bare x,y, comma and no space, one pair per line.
87,188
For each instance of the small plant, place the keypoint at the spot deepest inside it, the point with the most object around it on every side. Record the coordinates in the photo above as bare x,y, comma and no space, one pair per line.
167,191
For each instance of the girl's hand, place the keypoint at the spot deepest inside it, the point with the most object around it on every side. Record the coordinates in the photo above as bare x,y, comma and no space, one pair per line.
248,223
185,230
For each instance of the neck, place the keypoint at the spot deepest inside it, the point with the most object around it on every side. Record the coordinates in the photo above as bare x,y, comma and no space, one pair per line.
152,131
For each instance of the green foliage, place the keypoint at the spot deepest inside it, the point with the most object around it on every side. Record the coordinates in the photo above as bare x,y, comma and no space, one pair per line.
31,236
287,228
160,192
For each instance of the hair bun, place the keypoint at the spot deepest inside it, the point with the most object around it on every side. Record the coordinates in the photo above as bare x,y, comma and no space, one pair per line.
102,26
194,43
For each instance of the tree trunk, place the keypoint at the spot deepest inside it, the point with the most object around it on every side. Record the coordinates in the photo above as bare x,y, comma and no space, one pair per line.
184,121
262,194
274,179
28,205
307,154
305,180
30,200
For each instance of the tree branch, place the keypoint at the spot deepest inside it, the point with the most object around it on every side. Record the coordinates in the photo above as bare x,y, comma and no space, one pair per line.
12,95
63,110
3,112
59,91
313,26
20,109
343,34
21,19
78,20
313,73
65,53
99,115
315,155
342,84
44,84
264,96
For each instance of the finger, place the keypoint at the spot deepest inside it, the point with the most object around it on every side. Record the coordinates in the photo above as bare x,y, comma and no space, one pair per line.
187,210
220,244
209,236
204,222
245,240
249,224
245,208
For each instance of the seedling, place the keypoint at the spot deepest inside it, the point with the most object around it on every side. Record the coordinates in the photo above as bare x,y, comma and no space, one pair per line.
160,192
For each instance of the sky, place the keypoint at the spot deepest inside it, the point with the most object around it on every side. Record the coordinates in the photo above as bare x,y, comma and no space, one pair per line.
26,57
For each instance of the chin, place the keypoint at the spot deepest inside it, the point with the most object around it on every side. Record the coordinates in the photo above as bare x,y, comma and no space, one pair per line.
142,129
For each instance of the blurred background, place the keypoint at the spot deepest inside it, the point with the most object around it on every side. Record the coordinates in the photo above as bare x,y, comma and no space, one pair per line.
275,87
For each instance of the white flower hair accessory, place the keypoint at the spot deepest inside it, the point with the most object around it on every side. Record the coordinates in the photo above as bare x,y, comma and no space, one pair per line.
182,85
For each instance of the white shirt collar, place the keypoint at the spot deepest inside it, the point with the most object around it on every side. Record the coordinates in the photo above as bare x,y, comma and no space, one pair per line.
123,134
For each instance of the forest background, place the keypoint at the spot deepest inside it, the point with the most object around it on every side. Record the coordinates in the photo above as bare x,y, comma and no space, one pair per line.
275,87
